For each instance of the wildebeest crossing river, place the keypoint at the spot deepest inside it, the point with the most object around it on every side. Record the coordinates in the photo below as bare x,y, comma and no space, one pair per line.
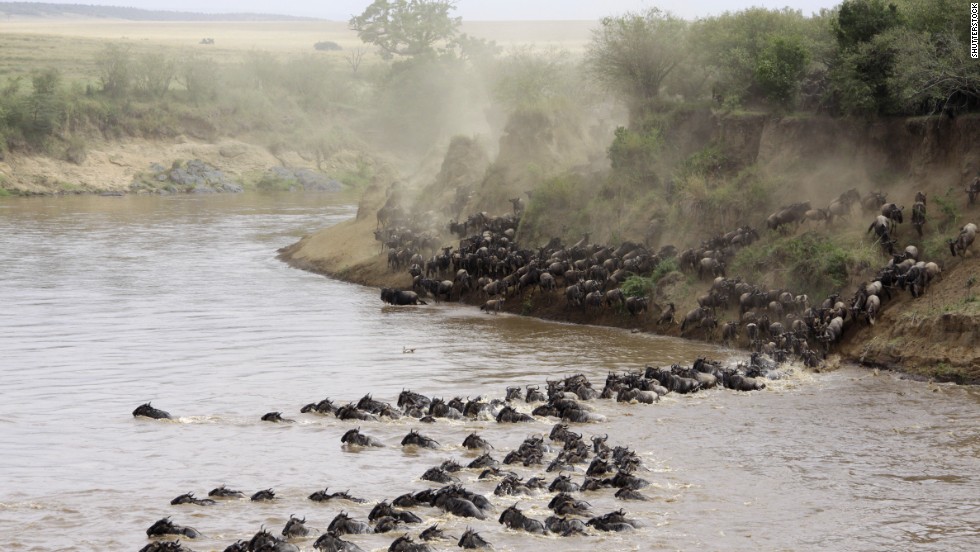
112,302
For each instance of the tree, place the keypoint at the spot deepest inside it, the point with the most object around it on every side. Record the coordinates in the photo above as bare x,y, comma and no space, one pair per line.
633,54
781,68
45,106
866,56
407,28
859,21
115,70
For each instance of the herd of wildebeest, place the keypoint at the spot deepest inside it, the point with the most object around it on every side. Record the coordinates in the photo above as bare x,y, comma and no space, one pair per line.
775,324
588,276
570,463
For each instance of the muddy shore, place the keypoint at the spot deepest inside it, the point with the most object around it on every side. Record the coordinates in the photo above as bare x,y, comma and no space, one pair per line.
933,337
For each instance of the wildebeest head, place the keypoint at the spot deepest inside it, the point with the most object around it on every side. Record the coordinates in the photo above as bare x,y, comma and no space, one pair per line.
472,539
295,527
353,436
147,410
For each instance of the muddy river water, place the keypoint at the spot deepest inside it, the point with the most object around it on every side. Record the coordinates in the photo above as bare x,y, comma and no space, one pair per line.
110,302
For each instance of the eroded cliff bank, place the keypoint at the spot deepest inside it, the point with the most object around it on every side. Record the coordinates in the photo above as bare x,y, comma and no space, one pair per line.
933,336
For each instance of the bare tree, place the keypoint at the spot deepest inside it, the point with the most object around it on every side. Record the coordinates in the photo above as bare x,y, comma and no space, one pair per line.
354,58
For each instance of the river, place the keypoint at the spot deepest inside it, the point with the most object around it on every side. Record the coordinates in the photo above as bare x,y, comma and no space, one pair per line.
110,302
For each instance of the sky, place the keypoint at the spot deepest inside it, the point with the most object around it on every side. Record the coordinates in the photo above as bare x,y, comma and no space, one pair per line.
471,10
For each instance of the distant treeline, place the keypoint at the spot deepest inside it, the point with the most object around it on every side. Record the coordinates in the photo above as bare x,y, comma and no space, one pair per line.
33,9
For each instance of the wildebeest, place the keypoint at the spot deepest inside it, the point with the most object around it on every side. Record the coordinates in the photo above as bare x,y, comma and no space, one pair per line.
325,406
264,540
508,415
493,305
414,438
329,542
438,475
295,527
564,526
164,527
841,206
964,240
263,495
918,216
892,212
148,411
167,546
356,438
474,441
460,502
871,307
400,297
565,504
325,495
787,215
973,190
515,519
873,201
613,521
276,417
404,543
225,492
627,493
188,498
472,539
636,305
343,524
432,533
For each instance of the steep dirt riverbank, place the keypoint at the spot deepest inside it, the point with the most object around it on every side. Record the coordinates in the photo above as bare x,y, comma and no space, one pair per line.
934,336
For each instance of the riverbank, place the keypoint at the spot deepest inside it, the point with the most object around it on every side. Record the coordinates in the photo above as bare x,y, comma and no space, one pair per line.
932,337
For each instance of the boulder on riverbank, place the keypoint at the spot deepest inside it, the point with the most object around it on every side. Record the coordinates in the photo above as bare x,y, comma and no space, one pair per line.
194,176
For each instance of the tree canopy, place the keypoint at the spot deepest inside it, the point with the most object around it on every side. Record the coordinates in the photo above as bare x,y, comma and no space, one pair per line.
407,28
632,54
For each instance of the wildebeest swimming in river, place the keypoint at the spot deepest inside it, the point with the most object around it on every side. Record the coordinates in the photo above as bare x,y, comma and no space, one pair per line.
165,546
148,411
472,539
188,498
225,492
400,297
165,527
276,417
355,437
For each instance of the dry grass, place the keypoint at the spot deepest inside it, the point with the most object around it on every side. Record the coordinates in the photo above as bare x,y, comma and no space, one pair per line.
71,45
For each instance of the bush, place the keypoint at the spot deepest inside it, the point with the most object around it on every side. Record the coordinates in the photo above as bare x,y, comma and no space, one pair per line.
812,263
638,286
327,46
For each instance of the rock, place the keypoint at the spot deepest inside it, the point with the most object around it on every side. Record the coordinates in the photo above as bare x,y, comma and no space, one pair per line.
195,176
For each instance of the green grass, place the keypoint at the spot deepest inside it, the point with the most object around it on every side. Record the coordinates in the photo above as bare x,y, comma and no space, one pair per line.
813,263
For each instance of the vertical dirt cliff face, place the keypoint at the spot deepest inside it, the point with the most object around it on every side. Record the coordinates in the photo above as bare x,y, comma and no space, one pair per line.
835,154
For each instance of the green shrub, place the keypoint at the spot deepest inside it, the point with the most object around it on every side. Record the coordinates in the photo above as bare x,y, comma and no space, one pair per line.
813,263
638,286
327,46
272,183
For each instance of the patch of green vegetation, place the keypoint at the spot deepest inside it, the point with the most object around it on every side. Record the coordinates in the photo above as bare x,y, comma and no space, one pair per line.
947,373
271,183
947,204
814,263
638,286
359,177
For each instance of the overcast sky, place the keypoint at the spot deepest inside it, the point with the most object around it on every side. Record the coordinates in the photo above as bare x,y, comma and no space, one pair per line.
471,10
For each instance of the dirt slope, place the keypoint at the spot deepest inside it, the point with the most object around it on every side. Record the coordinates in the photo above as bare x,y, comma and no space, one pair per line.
935,336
